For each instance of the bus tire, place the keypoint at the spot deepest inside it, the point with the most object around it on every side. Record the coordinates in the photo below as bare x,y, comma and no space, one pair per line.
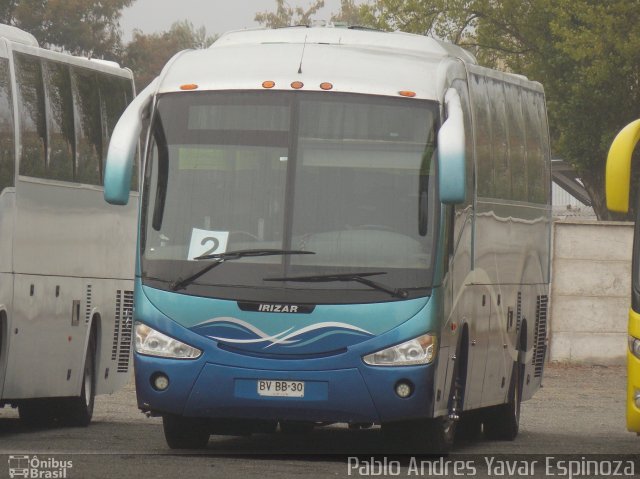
185,433
38,412
502,422
78,411
421,436
469,427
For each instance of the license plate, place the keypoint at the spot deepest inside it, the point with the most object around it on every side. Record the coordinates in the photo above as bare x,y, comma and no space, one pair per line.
273,388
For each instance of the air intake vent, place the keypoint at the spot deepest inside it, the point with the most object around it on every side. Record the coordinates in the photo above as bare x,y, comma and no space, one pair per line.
116,327
123,329
88,303
540,335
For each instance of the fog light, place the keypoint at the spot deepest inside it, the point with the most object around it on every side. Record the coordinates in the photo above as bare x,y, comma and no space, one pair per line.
637,398
404,389
160,382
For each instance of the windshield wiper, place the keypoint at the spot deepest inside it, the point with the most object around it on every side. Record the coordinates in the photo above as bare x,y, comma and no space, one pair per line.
227,256
356,277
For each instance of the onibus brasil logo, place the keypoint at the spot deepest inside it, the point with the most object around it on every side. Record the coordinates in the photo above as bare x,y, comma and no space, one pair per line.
38,468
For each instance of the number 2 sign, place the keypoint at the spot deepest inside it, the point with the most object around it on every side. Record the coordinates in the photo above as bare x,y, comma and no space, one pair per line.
205,242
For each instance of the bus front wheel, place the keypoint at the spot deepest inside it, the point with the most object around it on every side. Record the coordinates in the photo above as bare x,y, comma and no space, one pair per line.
423,436
503,422
184,432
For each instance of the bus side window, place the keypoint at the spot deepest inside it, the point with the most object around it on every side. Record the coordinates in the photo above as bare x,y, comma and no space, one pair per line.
115,94
7,149
59,121
501,166
32,115
516,142
88,124
535,155
483,137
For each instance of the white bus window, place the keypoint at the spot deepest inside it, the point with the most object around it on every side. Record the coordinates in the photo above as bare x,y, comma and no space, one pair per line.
535,154
482,135
7,149
88,127
541,110
32,115
501,167
115,93
517,154
364,170
60,121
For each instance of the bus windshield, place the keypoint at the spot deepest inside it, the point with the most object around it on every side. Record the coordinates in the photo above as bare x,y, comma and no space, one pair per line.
347,177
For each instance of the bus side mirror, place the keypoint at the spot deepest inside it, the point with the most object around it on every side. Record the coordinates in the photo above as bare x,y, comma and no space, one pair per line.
618,171
451,152
122,149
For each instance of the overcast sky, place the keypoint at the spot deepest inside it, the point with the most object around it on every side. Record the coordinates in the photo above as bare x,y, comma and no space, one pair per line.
217,16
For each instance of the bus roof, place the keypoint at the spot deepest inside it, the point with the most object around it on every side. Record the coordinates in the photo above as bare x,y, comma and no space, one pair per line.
16,35
358,61
354,37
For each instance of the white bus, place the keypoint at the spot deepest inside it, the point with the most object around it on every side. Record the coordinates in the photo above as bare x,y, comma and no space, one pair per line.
66,258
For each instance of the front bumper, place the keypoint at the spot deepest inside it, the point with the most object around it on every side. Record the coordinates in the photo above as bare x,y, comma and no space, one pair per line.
354,394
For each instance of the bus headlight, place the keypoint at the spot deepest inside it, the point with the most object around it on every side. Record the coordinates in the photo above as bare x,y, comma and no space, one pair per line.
634,346
421,350
153,343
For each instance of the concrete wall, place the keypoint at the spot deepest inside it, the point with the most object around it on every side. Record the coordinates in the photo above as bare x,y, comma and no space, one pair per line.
590,291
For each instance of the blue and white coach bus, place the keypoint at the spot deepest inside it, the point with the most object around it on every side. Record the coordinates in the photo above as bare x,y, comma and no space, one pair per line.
66,257
337,225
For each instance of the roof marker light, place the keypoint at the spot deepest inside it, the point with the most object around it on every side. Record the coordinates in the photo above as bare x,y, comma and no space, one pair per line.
189,86
268,84
407,93
326,86
296,85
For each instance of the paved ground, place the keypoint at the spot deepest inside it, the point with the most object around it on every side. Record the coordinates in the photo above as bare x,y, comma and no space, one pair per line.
579,411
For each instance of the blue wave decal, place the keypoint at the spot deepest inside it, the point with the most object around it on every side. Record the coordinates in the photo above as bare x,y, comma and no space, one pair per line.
247,333
326,335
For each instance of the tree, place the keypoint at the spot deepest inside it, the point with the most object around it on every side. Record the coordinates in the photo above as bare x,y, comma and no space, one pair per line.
350,13
81,27
147,54
586,53
286,16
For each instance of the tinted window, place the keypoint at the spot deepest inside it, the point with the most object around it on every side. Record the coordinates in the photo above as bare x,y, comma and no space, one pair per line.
482,129
32,115
60,121
7,150
347,177
88,124
515,120
546,153
115,95
535,153
501,172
